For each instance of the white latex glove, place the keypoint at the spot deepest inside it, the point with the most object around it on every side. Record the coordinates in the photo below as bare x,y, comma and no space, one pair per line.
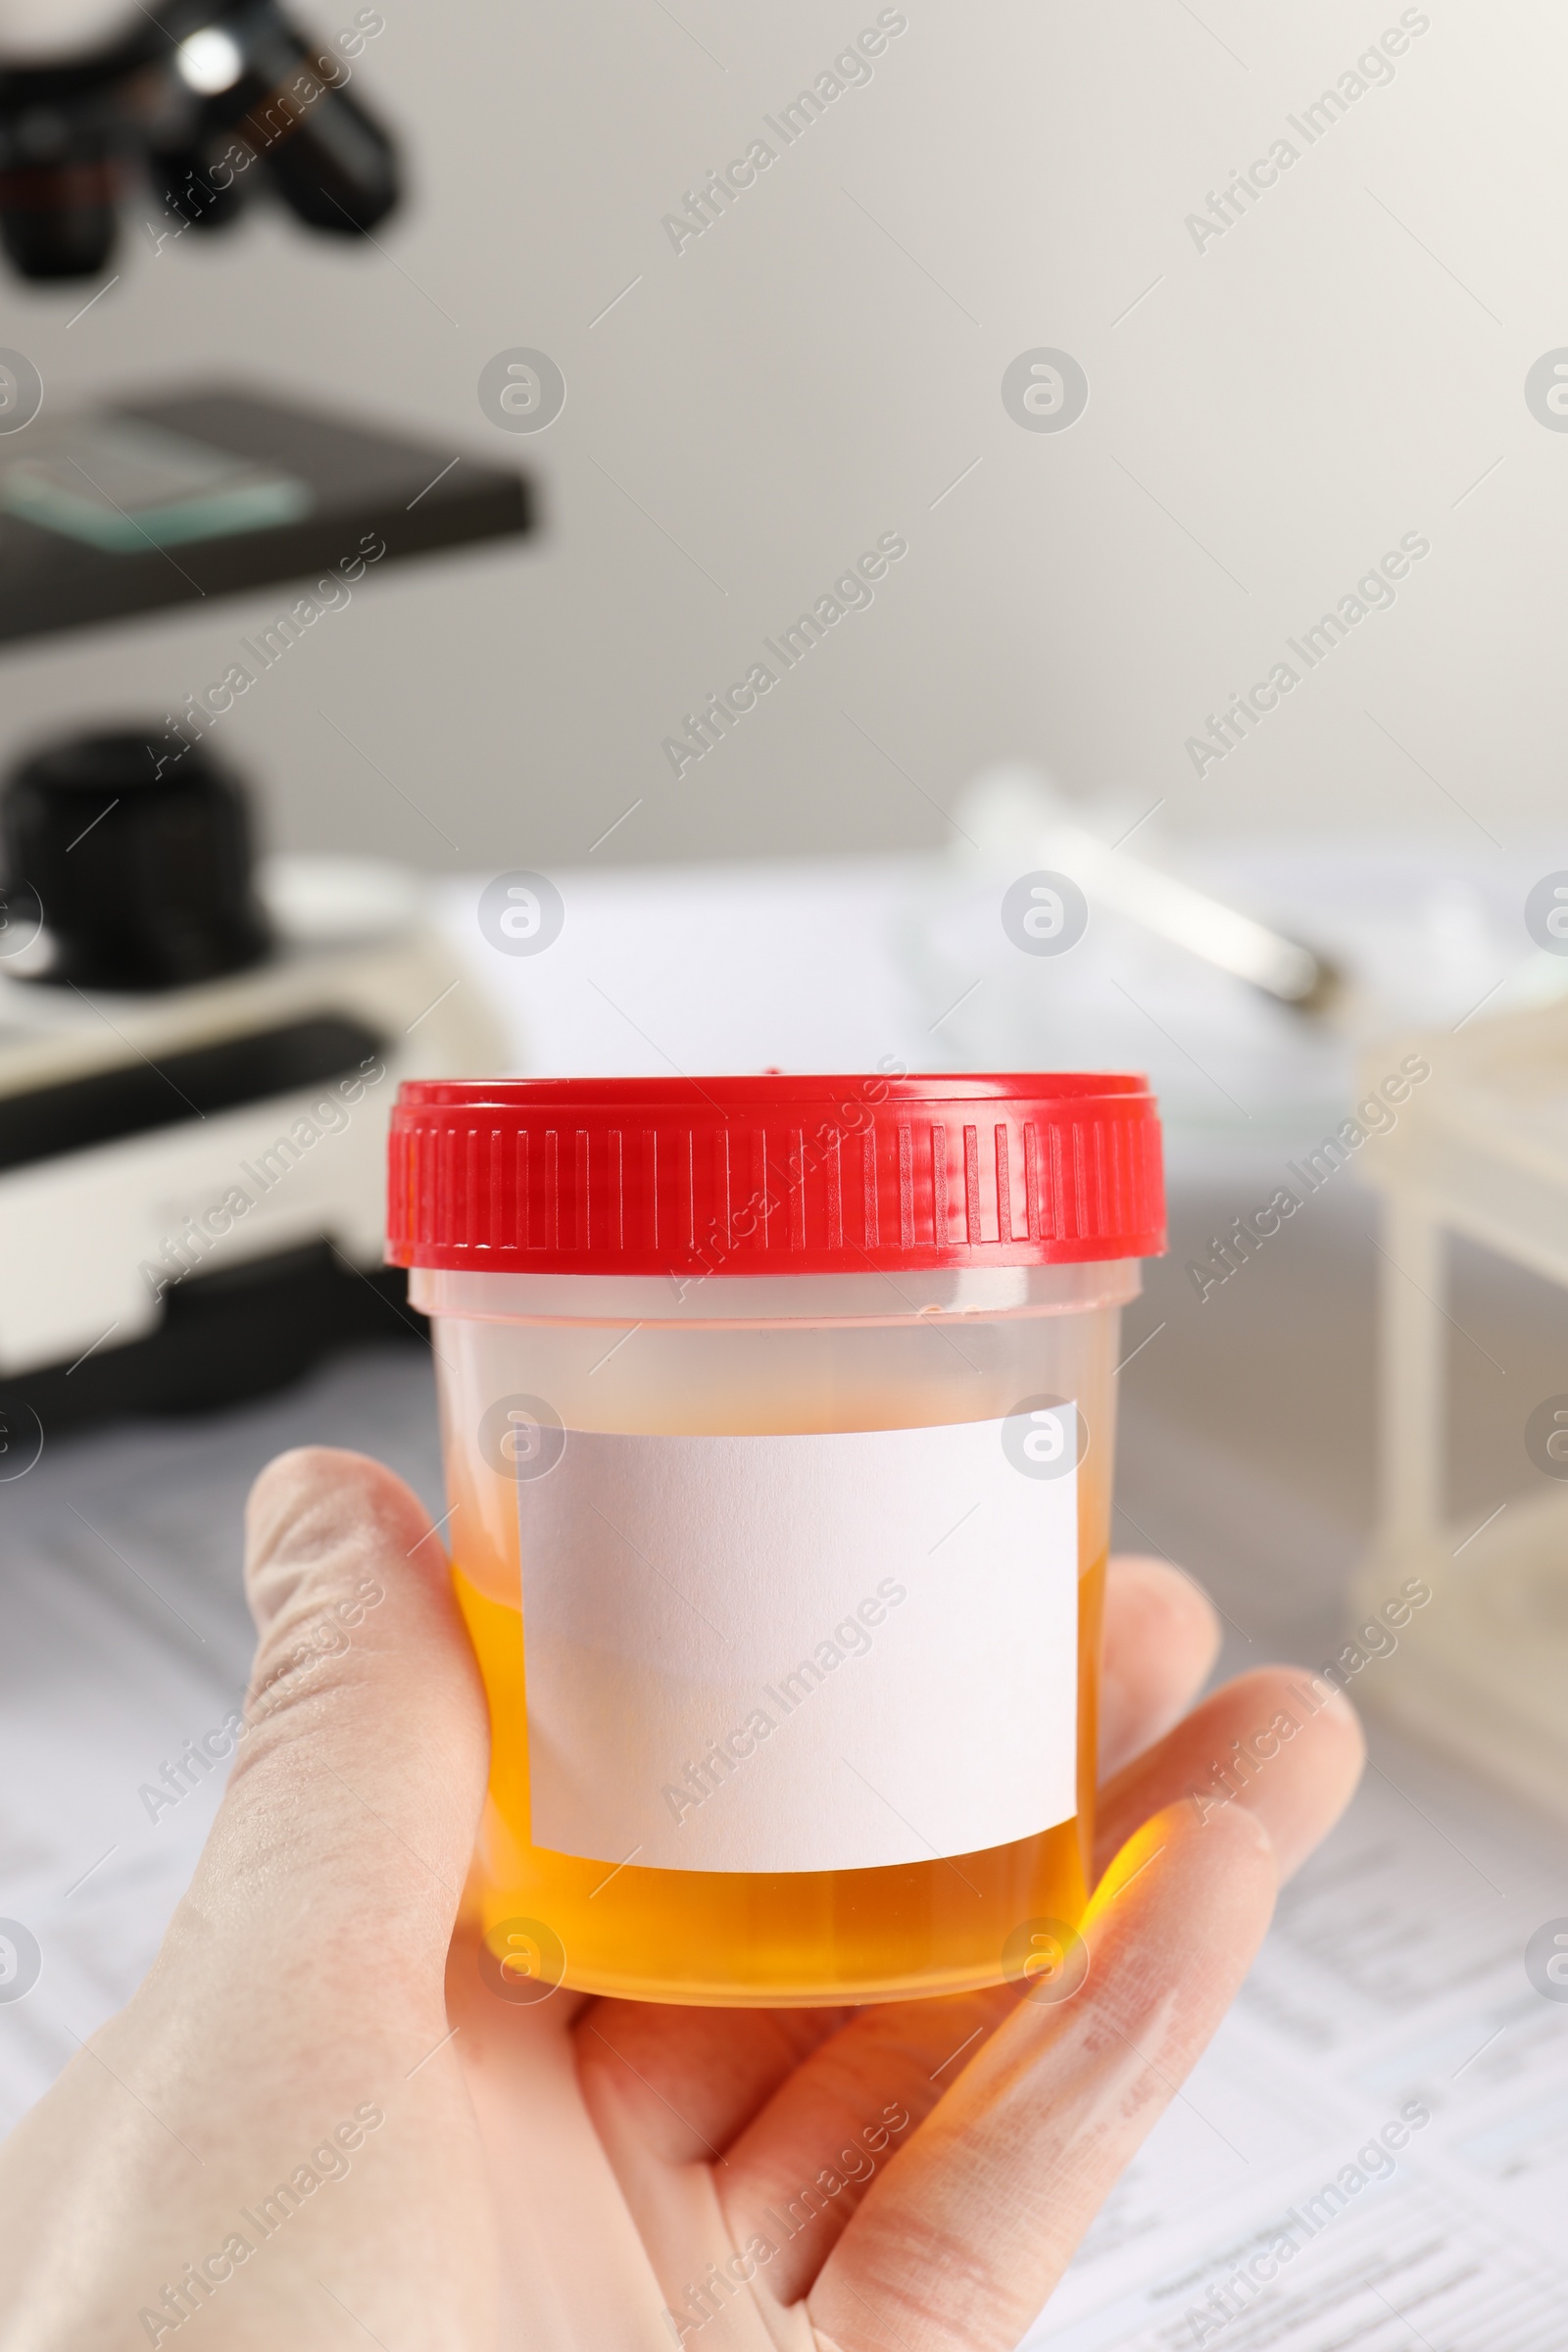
466,2174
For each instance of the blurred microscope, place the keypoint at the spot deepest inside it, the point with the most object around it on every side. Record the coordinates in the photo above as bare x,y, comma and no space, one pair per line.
199,1047
198,1057
204,103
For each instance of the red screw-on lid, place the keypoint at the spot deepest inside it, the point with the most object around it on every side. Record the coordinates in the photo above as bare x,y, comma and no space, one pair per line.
773,1175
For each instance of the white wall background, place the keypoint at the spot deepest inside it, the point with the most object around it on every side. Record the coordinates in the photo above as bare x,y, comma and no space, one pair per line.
1339,368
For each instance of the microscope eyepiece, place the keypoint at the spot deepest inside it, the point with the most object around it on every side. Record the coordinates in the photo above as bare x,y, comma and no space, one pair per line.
61,170
58,219
327,159
205,105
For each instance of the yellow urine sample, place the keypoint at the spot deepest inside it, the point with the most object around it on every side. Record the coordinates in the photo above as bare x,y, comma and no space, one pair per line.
792,1938
723,1384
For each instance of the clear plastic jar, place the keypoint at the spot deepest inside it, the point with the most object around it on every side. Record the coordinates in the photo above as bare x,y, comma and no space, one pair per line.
786,1584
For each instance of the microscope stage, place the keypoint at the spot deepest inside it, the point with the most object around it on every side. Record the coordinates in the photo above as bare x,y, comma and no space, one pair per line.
363,486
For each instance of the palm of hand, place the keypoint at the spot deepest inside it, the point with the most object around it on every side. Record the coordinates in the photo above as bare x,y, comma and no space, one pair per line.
583,2173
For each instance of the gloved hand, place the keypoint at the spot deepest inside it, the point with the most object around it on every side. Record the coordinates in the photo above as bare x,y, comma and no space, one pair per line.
315,2127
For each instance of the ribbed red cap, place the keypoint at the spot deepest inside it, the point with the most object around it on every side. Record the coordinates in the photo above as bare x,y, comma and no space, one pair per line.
773,1175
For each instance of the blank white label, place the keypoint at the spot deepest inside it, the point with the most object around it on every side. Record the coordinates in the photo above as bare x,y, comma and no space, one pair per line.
814,1652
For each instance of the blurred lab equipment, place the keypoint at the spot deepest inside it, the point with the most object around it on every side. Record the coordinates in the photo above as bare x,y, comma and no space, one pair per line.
1480,1151
249,489
196,1074
1245,973
202,103
1014,811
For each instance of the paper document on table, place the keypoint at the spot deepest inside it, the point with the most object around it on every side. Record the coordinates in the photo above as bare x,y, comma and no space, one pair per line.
1374,2150
128,1642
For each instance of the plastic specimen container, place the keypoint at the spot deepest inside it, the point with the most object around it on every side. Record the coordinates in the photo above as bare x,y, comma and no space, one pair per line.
778,1420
